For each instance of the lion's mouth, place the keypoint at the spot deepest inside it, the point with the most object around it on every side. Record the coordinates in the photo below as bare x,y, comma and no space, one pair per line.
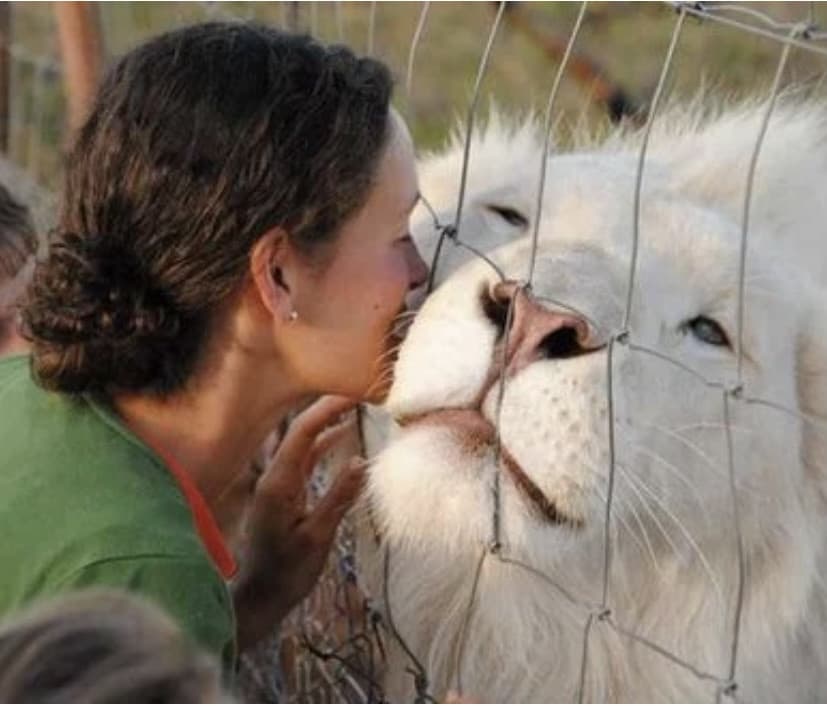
476,433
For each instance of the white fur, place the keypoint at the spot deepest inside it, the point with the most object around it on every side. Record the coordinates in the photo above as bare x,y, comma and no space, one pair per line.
673,577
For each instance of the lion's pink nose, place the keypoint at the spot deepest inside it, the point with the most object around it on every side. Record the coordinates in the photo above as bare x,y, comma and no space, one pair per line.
537,332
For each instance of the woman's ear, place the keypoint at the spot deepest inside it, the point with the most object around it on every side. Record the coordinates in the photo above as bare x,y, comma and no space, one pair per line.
269,266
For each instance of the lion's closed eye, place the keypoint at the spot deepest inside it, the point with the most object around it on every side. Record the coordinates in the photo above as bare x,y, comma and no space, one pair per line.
510,215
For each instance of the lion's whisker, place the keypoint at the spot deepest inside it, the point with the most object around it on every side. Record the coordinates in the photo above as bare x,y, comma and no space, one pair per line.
719,470
677,472
643,542
647,507
710,426
681,528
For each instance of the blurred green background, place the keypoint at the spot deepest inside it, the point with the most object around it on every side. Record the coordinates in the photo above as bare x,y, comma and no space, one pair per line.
626,43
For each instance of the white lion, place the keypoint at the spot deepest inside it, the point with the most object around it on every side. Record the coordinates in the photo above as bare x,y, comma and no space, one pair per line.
674,562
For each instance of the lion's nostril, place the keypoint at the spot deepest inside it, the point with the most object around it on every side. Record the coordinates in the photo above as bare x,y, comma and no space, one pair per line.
562,343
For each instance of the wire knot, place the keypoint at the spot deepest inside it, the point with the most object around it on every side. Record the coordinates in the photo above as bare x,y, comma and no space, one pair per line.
728,689
683,6
622,337
420,686
450,231
736,391
804,30
603,614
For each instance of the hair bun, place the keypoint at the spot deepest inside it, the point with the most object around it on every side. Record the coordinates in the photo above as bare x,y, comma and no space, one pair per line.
94,316
99,290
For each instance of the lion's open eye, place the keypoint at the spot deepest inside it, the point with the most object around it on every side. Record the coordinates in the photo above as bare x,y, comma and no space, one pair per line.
708,331
509,215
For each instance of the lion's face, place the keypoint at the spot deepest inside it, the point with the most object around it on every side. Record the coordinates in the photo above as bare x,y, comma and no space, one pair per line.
498,384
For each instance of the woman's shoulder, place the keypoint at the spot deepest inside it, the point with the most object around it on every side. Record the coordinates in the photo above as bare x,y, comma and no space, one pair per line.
84,502
13,367
70,446
76,489
186,587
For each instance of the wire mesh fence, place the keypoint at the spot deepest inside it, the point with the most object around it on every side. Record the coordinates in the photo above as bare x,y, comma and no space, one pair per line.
802,34
335,646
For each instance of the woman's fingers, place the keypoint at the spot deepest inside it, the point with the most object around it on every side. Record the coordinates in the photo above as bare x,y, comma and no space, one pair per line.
308,425
333,506
325,441
286,474
294,486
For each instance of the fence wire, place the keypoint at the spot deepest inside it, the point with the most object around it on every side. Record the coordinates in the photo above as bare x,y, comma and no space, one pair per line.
804,35
336,646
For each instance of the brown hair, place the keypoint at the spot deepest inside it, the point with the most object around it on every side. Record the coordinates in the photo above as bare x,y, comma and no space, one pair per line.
102,646
18,239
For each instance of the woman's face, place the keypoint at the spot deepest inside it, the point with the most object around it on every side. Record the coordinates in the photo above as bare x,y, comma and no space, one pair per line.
347,312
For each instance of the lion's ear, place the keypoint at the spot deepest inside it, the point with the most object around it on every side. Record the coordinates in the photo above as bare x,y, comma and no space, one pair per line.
811,378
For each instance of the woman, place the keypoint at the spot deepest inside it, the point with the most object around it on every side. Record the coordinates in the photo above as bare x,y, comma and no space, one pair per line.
233,242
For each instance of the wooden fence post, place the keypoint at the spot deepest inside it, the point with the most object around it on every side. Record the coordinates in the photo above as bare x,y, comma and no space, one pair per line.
81,47
5,74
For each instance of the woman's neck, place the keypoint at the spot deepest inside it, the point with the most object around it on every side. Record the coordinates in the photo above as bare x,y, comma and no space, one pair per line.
214,427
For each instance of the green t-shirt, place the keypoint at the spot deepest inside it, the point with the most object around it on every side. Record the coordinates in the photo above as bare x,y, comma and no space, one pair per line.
83,502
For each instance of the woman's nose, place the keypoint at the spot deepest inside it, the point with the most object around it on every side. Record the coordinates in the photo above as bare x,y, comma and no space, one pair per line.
417,268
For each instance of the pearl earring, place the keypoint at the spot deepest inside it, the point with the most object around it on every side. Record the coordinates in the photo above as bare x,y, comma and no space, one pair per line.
293,315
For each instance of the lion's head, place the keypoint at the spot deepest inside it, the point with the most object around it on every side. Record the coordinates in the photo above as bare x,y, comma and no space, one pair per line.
503,389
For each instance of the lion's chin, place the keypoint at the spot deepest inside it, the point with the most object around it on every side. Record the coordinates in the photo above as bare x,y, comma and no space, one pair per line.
475,434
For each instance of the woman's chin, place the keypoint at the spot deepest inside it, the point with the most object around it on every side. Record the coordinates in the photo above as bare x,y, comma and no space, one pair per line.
378,392
382,380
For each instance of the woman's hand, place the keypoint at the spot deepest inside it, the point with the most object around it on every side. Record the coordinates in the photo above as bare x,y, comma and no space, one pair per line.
289,544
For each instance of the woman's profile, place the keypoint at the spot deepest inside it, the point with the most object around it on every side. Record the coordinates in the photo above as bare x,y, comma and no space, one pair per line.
232,243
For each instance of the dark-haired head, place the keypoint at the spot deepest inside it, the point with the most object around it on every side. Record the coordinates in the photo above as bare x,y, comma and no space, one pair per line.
102,646
199,143
18,245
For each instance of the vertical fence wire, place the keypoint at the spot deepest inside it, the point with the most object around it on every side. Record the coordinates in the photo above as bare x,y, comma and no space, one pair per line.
340,20
36,124
314,18
17,121
667,65
729,688
547,128
417,37
453,231
371,28
742,258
